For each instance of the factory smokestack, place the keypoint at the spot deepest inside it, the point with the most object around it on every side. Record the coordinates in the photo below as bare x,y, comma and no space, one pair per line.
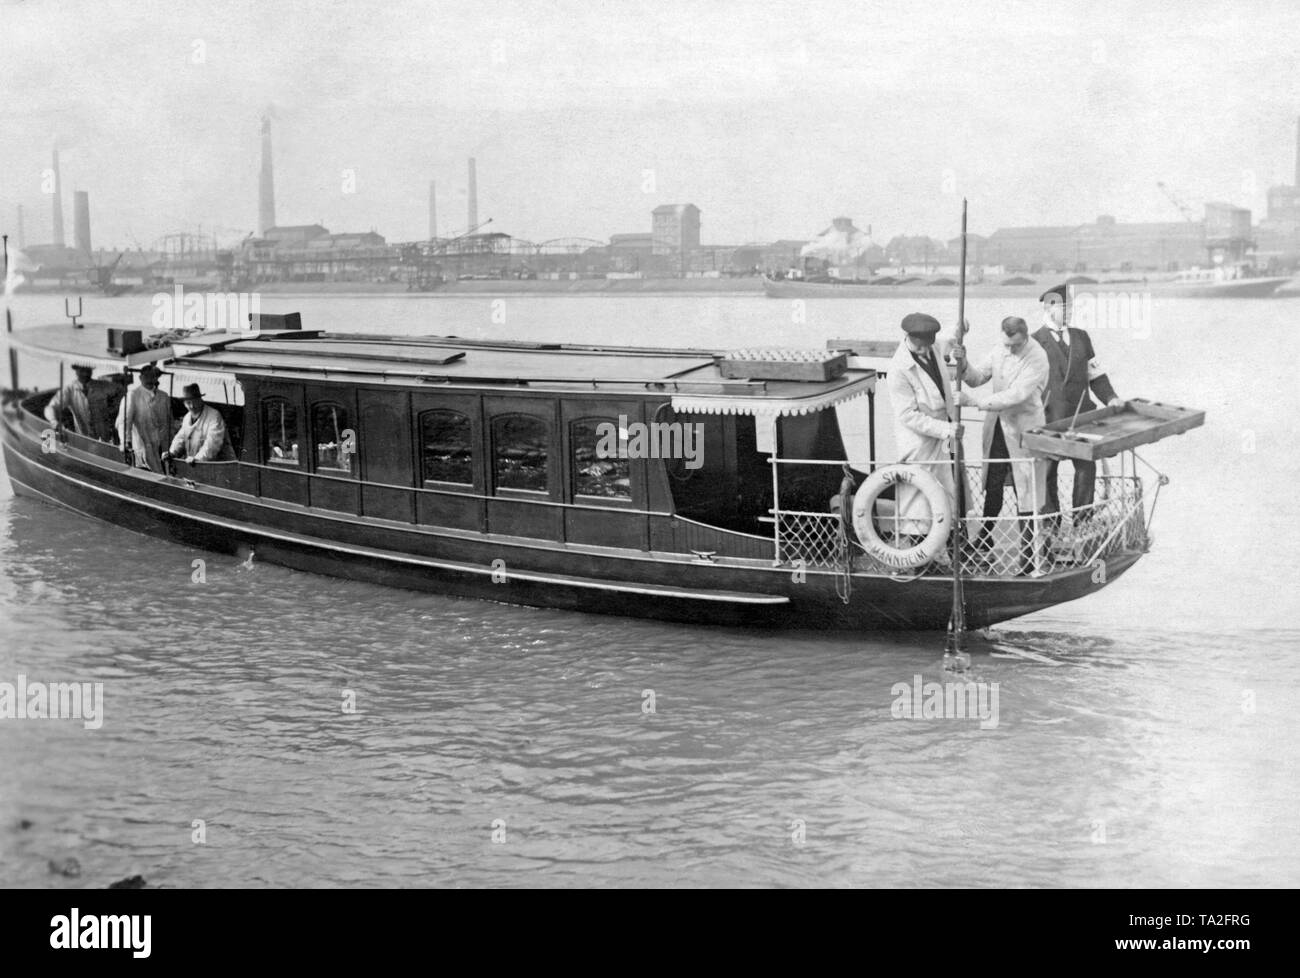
433,210
1297,153
473,195
81,221
266,194
58,202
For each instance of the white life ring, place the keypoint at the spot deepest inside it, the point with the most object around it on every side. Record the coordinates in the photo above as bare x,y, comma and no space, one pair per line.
864,524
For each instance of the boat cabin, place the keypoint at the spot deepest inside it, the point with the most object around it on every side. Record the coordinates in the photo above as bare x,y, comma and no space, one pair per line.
644,449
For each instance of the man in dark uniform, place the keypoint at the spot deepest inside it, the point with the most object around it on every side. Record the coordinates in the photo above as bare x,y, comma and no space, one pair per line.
1073,371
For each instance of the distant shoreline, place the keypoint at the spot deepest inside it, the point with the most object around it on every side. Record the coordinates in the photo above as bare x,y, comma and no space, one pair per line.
787,289
509,286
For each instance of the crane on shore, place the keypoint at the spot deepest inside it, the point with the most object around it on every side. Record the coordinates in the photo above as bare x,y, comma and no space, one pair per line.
1188,214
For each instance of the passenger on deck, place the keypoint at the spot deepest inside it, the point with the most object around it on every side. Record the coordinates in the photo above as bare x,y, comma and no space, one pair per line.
147,413
87,401
1016,375
1074,369
922,404
203,436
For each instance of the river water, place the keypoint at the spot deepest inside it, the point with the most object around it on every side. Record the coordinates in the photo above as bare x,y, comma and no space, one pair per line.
1146,735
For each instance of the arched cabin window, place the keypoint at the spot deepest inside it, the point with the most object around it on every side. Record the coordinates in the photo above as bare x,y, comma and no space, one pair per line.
520,446
335,441
446,448
598,469
281,435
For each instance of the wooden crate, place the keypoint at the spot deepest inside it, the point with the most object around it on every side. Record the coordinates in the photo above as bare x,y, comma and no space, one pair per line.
779,364
1111,430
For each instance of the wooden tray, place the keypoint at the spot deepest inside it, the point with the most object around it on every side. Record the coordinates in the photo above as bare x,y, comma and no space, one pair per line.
783,364
1111,430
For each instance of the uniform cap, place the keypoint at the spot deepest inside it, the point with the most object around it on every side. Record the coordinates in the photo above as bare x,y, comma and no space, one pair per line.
915,323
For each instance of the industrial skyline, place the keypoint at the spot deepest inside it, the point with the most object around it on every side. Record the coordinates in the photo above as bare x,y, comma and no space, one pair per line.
1282,216
581,118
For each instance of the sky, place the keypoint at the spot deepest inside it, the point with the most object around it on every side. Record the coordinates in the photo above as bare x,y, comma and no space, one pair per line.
771,117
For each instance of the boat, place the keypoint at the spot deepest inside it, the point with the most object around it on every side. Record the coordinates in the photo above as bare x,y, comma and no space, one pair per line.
893,286
1263,287
1190,284
1233,282
677,484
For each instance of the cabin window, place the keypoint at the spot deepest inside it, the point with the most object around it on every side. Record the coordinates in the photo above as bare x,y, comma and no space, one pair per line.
281,435
520,444
597,468
335,441
445,441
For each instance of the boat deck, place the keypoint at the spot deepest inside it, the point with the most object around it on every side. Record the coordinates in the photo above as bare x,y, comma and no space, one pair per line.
87,343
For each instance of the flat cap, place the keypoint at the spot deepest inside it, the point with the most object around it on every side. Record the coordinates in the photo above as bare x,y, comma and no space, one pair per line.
1060,291
919,322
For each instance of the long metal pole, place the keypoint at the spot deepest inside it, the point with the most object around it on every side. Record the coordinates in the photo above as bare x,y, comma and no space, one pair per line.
9,325
954,656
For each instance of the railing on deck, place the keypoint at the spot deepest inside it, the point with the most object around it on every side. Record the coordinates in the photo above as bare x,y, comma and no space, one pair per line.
1016,546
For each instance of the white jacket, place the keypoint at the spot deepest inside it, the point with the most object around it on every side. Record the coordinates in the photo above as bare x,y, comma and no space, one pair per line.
150,420
923,419
203,437
1015,398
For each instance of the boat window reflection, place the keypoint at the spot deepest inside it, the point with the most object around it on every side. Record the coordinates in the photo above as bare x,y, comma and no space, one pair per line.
445,441
332,437
608,478
281,435
520,444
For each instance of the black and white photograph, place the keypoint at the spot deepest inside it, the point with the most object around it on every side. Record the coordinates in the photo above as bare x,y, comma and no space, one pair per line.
650,445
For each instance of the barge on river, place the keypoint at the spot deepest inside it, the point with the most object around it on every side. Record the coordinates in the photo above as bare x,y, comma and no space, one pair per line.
477,468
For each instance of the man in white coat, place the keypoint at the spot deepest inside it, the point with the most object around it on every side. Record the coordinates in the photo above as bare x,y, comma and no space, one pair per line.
203,436
147,414
87,401
1016,375
921,399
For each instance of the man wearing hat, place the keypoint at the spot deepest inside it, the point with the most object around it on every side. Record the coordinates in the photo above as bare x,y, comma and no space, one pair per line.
1073,371
203,436
921,399
146,412
1016,375
87,401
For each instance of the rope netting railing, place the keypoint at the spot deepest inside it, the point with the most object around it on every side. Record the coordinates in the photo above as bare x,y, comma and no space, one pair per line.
1006,545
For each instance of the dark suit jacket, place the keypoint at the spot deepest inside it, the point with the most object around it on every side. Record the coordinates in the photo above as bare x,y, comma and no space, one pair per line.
1067,375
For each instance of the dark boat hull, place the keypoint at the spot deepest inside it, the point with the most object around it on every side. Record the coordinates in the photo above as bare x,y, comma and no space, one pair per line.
510,569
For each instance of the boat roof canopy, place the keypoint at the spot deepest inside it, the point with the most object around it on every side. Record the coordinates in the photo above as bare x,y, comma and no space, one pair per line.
693,378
